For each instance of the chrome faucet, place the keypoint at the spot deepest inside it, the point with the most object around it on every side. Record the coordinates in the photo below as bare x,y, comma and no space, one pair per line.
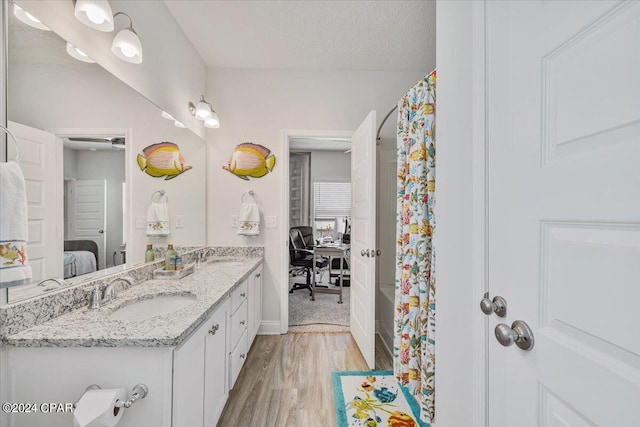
202,255
61,283
109,294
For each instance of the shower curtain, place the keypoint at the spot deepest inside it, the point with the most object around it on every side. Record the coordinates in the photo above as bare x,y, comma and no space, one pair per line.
414,344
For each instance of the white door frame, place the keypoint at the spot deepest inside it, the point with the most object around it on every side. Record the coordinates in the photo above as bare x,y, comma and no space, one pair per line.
287,134
462,161
480,225
129,157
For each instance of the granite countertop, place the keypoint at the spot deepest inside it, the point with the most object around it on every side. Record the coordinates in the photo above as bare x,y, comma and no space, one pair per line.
210,284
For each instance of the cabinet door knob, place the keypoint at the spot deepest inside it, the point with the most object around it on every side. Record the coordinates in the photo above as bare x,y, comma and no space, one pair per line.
258,275
242,322
214,329
243,295
242,356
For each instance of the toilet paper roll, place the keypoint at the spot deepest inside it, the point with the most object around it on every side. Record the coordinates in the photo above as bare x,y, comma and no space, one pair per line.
97,408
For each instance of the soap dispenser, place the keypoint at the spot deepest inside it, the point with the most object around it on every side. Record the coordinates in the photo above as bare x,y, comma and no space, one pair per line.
169,258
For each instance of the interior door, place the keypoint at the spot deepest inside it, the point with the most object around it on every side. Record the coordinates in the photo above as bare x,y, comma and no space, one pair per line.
41,163
87,218
563,118
363,237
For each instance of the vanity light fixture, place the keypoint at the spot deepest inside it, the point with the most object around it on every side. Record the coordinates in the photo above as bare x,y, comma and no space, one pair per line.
167,116
178,124
213,122
126,44
205,112
96,14
28,18
78,54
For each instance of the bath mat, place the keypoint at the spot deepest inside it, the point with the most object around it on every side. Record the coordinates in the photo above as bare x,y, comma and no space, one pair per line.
373,399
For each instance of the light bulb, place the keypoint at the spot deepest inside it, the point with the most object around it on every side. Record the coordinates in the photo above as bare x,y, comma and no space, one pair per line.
167,116
33,18
128,50
94,14
178,124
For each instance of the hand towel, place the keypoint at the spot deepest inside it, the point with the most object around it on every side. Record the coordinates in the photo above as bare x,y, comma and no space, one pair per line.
158,219
249,220
14,268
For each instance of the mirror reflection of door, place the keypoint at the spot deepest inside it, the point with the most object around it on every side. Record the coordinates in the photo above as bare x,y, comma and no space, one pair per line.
94,175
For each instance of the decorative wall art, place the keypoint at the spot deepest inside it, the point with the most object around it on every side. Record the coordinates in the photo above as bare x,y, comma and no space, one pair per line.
162,159
250,160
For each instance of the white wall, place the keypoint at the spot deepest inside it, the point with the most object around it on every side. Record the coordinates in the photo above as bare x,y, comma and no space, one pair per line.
456,386
110,166
330,166
70,163
172,72
89,97
257,105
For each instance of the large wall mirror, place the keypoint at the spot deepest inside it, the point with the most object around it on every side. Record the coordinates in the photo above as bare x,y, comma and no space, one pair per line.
80,131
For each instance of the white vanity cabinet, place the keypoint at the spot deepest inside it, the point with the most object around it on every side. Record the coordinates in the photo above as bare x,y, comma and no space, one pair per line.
188,384
255,302
199,375
244,322
238,340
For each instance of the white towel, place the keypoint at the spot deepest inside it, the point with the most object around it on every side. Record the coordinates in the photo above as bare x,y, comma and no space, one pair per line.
14,267
158,219
249,220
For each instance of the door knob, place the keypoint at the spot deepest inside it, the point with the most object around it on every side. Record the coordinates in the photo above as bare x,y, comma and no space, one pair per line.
519,333
373,253
101,231
364,253
498,305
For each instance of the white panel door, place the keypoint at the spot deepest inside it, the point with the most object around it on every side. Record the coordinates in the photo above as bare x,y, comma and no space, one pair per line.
363,237
563,117
41,163
87,216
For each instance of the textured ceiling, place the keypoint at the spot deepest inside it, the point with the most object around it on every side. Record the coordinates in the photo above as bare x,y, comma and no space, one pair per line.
310,35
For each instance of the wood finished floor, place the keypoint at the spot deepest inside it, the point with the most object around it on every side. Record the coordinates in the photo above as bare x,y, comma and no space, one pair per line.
286,380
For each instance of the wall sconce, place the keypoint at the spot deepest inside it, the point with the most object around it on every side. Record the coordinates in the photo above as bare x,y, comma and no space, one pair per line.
78,54
28,18
205,112
126,44
96,14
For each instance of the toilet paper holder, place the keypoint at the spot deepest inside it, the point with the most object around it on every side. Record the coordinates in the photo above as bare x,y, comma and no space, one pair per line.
140,391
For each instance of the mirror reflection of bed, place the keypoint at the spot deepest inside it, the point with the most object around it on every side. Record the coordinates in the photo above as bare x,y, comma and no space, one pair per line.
80,257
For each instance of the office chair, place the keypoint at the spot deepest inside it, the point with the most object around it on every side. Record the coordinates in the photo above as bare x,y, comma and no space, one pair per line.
301,260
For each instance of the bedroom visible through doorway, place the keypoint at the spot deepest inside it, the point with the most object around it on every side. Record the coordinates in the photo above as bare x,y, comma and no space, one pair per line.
319,214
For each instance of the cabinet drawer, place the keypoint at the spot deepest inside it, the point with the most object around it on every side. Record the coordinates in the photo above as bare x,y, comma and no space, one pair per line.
237,359
238,324
238,296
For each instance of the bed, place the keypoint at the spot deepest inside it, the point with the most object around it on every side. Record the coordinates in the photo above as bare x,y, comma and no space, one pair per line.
80,257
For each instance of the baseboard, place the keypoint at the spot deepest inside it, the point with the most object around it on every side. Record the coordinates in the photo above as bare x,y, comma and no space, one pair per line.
386,347
269,327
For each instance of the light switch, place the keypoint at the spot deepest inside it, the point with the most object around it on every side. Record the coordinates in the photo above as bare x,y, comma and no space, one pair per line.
271,221
234,221
141,222
179,221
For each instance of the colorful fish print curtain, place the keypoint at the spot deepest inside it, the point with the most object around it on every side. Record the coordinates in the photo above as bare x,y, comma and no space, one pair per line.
414,344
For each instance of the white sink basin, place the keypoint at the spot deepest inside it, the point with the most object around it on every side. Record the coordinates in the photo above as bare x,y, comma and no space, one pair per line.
225,261
158,305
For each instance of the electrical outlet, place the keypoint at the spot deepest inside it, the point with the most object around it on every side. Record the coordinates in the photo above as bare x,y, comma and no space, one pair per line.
271,221
141,222
179,221
234,221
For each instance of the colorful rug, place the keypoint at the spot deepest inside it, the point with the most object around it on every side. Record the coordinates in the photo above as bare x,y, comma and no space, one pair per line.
373,399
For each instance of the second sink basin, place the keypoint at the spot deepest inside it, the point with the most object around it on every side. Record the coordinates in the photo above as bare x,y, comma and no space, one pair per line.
157,305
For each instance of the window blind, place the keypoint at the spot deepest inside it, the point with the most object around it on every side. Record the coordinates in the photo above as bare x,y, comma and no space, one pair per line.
331,199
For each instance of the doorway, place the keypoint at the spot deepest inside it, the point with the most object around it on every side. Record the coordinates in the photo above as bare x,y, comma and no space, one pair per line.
319,196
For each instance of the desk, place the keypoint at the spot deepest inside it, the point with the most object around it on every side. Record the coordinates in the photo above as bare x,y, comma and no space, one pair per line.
329,251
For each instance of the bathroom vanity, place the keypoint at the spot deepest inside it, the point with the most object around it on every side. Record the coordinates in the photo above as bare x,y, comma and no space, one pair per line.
189,356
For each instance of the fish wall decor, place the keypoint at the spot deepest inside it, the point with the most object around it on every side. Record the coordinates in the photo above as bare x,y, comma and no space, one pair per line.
162,159
250,160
